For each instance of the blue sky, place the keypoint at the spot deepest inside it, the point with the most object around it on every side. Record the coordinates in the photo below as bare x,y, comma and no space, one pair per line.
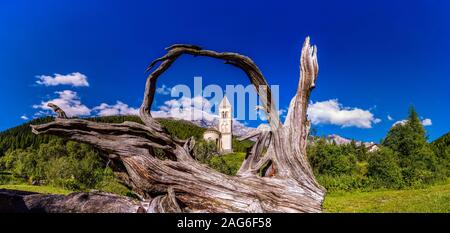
379,57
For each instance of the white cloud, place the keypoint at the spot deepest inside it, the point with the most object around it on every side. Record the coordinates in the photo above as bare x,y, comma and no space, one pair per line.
23,117
389,117
119,108
68,101
377,120
190,109
40,113
261,114
427,122
401,122
164,90
75,79
282,112
332,112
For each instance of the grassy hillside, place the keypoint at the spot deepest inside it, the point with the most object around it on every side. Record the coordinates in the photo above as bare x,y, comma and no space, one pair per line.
433,199
443,140
442,145
21,137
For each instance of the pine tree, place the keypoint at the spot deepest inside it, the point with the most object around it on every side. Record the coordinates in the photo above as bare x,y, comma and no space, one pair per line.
418,161
416,125
407,137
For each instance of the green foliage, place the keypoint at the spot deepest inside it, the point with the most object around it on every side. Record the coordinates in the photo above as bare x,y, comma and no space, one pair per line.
408,137
432,199
182,129
109,183
361,152
21,137
36,188
44,159
218,163
241,146
383,169
344,182
7,178
441,148
228,164
69,165
331,159
116,119
204,150
418,161
405,159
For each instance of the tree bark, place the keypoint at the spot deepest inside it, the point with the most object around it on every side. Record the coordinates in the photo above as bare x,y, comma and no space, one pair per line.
179,183
92,202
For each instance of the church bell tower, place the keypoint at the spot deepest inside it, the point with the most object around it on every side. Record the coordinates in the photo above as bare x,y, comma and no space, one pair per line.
225,125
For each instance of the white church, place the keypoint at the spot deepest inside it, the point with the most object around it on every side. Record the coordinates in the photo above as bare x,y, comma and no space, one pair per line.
222,135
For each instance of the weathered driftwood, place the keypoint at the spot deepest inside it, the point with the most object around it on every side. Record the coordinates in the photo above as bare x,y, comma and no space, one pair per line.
93,202
179,183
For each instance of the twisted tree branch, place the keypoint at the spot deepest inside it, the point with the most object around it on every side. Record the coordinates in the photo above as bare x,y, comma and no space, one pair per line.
180,183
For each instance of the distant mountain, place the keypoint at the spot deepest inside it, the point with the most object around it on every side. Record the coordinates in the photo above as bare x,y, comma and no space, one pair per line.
239,129
339,140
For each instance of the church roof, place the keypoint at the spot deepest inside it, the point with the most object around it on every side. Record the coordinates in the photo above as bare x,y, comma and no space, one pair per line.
225,103
212,130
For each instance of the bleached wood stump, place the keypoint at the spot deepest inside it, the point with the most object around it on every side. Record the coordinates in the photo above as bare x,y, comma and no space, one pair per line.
179,183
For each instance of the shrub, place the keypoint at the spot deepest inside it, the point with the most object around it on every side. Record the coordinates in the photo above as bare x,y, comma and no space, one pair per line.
241,146
70,165
228,164
441,147
331,159
383,169
219,164
344,182
204,150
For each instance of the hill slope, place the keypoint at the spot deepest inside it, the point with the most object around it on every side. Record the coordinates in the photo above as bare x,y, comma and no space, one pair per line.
442,144
21,137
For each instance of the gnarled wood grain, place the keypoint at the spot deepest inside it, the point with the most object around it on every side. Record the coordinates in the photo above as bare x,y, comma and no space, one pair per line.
180,183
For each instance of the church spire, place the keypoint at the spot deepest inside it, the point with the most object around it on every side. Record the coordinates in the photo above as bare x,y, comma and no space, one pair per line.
225,125
225,103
